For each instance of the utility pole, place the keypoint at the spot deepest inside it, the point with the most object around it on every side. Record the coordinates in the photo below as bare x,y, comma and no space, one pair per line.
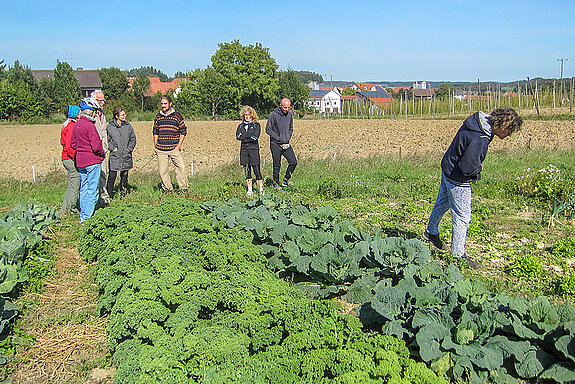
561,80
331,79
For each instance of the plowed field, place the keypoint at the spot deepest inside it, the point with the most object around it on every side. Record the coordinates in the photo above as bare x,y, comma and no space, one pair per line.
212,143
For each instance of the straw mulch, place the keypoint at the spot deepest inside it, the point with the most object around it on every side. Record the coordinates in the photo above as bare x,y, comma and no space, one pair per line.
69,339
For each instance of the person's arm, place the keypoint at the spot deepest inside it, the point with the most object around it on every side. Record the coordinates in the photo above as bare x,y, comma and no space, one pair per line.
112,146
271,128
132,139
290,129
179,145
240,133
470,163
183,132
96,143
255,135
65,140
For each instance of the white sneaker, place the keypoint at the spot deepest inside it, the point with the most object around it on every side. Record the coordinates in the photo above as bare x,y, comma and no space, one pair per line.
249,193
261,192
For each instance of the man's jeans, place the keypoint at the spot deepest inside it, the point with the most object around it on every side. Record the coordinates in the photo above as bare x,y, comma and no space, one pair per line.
458,199
89,189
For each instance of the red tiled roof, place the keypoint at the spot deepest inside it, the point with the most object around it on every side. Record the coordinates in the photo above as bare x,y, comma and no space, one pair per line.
156,85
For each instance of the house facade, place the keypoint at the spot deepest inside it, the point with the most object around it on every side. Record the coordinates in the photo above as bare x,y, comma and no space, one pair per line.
326,102
89,79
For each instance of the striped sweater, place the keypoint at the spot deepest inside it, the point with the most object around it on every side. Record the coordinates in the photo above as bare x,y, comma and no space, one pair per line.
168,127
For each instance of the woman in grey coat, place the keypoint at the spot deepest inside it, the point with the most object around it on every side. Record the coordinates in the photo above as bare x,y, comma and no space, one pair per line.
121,143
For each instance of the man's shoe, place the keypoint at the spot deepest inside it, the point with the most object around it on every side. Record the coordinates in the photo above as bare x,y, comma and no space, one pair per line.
286,183
434,239
249,193
471,264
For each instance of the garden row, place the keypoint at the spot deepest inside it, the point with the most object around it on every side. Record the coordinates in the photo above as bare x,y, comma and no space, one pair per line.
191,297
455,325
189,301
21,233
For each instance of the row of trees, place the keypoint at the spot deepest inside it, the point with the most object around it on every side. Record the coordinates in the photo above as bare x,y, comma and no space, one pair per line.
22,97
238,75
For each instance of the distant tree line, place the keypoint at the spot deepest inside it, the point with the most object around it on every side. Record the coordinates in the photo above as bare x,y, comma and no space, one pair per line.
238,75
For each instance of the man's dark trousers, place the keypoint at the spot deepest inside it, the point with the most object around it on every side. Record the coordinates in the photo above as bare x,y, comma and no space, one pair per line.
277,153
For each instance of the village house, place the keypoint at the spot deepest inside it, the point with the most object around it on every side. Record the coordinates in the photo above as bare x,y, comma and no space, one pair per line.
326,101
157,85
89,79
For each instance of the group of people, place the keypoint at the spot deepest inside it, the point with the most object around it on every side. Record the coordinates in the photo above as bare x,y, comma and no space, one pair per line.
280,129
86,143
93,152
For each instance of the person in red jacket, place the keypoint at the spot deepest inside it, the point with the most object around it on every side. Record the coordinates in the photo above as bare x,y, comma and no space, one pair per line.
70,202
89,156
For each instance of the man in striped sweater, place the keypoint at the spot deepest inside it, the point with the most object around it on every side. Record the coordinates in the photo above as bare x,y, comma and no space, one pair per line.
169,133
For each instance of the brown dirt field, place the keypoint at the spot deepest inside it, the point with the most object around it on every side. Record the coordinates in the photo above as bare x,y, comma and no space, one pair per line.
212,143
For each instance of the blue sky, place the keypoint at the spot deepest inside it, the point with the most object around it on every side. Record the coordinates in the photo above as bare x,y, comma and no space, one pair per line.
353,40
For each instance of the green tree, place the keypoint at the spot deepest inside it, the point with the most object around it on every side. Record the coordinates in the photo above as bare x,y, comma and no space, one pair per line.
250,72
443,92
180,75
2,69
17,101
114,83
47,94
19,72
147,71
292,88
348,91
140,88
66,87
307,76
205,92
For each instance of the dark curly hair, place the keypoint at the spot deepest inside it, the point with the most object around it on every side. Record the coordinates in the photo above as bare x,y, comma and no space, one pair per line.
506,117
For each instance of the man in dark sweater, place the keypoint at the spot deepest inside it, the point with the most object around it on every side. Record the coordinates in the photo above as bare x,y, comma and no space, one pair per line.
461,165
280,128
169,133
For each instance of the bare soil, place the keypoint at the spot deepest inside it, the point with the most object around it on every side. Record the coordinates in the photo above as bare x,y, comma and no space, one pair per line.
212,143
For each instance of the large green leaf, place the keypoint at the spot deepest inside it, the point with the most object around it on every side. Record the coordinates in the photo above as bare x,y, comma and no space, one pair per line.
301,263
508,347
8,310
473,291
10,275
388,300
291,248
542,311
533,362
361,290
426,316
487,358
429,340
394,328
561,372
566,344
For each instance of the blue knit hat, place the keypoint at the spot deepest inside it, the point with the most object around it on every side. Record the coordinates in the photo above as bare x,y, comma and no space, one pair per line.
73,111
